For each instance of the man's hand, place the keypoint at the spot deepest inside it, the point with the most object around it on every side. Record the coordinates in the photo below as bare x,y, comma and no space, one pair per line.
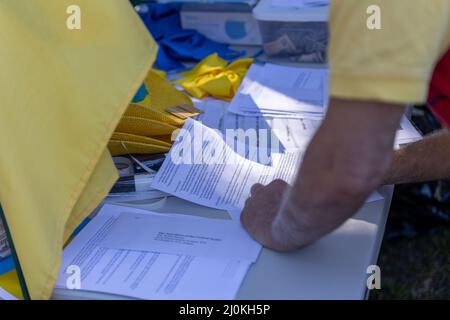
344,163
260,211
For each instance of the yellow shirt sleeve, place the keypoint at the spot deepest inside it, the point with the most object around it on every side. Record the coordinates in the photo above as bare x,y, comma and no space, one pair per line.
393,64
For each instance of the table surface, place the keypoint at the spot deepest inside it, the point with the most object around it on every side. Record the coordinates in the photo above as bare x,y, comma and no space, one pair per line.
333,268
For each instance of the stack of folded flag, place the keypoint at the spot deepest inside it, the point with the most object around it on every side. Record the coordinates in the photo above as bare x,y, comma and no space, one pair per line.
147,125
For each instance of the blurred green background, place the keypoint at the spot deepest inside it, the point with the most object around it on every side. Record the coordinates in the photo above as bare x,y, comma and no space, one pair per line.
416,268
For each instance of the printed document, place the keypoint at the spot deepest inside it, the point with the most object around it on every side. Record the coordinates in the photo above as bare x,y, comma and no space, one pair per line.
143,274
139,230
279,134
212,174
282,91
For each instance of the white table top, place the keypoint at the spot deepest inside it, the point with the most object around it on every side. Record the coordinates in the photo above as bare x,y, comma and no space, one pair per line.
333,268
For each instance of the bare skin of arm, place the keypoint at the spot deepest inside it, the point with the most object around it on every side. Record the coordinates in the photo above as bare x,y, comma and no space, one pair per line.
425,160
345,162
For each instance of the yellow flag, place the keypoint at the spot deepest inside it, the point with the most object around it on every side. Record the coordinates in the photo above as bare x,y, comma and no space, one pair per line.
68,71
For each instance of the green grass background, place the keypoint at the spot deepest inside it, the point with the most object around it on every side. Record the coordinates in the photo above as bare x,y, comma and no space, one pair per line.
415,268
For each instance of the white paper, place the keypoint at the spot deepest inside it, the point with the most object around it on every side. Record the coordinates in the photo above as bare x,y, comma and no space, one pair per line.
406,133
282,91
223,184
216,116
294,134
145,275
5,295
194,236
282,134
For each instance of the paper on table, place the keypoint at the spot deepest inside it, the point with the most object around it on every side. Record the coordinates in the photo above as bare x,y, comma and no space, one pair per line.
286,134
292,89
224,183
146,275
282,91
201,237
296,133
406,133
215,115
5,295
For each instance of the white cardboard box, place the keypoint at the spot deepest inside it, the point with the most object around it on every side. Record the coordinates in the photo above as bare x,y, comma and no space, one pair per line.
232,27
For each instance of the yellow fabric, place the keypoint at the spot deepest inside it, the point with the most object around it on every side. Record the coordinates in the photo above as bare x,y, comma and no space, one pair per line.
212,77
139,111
163,95
63,93
119,147
144,127
160,73
124,143
10,282
144,122
393,64
120,136
97,187
167,138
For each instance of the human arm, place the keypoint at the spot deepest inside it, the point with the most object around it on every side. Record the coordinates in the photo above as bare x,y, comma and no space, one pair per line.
345,162
421,161
350,154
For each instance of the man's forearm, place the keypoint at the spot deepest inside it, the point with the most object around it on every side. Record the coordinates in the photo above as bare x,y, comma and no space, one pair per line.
425,160
345,162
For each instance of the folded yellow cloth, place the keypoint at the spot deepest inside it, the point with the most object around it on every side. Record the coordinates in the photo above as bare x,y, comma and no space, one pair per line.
146,127
125,143
120,136
214,77
120,147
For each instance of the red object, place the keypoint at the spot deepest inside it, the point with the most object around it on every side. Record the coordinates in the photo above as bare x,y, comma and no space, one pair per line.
439,95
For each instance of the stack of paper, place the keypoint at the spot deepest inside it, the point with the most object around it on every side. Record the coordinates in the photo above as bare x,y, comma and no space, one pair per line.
406,134
282,91
140,254
279,134
282,134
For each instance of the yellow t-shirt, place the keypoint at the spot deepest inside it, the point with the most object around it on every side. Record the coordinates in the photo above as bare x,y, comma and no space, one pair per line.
393,64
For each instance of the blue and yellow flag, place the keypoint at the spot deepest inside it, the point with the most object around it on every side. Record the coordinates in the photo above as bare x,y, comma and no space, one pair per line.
68,71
